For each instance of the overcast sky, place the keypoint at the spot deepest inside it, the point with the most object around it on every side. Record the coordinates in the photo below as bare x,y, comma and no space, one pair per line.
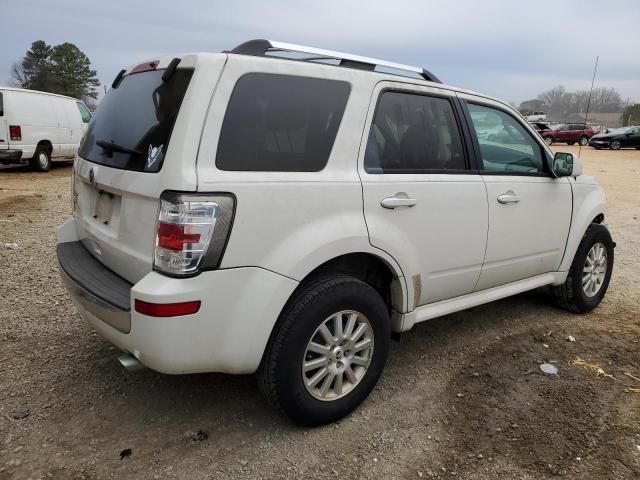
509,49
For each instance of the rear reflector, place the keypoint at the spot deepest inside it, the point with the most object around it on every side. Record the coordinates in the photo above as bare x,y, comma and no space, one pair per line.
167,309
15,132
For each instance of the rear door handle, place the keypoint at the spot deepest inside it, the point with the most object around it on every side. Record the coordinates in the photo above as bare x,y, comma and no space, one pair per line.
400,199
508,197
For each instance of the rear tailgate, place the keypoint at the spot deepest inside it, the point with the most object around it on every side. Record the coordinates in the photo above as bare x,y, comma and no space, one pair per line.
116,192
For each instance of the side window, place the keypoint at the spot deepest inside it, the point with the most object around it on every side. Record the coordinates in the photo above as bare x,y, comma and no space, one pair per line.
1,106
505,145
84,112
413,133
281,123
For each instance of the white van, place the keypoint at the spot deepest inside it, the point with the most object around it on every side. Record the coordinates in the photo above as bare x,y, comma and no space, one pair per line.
38,127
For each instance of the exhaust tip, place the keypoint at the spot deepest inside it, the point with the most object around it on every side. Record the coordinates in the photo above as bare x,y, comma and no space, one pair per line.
131,363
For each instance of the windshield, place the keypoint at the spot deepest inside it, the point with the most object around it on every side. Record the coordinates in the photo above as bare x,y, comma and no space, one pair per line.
135,121
621,130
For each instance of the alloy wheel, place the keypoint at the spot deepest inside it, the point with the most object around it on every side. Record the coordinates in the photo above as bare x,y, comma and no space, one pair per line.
338,355
594,270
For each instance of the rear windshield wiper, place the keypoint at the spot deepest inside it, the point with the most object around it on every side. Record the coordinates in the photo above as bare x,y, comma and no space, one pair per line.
111,147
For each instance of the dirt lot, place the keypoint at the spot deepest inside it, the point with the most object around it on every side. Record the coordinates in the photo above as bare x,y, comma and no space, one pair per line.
461,397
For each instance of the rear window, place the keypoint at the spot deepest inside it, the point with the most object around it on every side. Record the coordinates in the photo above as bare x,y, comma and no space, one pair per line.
281,123
138,115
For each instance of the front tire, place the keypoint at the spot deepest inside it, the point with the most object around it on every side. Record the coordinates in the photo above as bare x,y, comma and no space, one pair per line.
590,272
570,142
41,160
327,350
615,145
548,140
583,141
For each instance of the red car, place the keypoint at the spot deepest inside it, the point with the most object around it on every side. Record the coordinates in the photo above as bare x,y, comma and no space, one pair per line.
569,133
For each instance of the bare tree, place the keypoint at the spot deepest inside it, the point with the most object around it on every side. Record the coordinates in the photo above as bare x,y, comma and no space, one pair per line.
18,77
561,104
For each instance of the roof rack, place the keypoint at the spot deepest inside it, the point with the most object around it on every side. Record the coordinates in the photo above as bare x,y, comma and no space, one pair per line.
261,48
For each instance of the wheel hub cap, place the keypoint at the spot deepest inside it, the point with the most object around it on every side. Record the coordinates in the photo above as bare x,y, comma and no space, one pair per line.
338,355
594,270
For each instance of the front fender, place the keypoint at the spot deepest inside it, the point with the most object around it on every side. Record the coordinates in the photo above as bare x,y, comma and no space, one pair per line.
589,201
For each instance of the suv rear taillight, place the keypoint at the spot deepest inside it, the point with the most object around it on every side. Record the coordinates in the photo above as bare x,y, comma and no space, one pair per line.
192,231
15,132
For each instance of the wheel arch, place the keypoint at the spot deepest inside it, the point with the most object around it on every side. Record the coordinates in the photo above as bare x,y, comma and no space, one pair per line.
46,144
381,273
588,207
375,269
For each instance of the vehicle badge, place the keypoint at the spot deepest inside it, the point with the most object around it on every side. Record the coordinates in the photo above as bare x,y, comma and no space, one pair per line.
92,177
155,153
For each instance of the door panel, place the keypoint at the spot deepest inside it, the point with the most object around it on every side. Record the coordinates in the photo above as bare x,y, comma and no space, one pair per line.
74,122
422,204
529,210
4,128
439,242
527,237
61,147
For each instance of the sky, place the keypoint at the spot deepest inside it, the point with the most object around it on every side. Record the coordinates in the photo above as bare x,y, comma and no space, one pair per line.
512,50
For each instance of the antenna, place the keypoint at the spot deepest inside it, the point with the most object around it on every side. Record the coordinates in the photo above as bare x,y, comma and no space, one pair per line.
586,115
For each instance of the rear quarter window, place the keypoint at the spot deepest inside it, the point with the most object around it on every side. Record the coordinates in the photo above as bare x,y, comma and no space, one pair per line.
281,123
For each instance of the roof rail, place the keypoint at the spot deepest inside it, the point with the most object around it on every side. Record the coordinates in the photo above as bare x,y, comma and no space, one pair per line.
261,48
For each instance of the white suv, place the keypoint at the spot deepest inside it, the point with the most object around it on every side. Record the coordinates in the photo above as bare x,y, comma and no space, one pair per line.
285,210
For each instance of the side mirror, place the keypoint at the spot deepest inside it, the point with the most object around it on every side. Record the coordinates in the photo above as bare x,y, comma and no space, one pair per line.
566,165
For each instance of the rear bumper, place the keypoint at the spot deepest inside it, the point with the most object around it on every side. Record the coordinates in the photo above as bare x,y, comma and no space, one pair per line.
93,286
228,334
10,155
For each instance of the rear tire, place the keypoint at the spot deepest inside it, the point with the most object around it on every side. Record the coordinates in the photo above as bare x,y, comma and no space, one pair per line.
41,160
286,376
585,285
570,142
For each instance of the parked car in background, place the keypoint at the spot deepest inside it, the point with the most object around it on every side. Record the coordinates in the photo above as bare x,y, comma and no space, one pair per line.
537,117
615,139
225,220
569,133
540,127
38,127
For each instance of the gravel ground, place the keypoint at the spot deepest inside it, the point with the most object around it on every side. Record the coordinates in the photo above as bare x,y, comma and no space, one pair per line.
461,397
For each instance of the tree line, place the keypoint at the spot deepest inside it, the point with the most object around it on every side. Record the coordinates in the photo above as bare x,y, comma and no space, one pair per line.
558,102
63,69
